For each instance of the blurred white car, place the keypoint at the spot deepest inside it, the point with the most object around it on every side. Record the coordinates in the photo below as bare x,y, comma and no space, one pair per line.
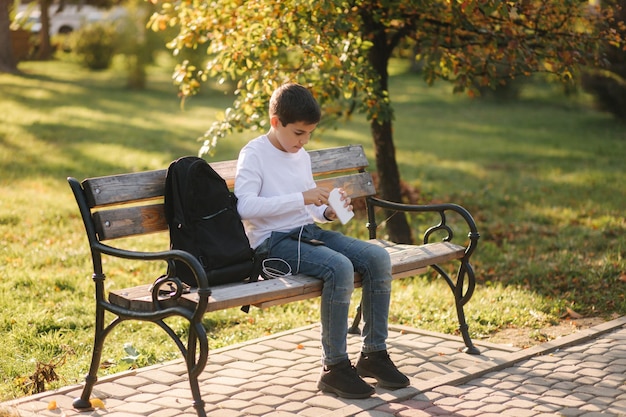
67,20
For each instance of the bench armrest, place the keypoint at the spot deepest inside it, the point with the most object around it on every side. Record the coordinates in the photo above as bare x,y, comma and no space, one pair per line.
169,255
441,209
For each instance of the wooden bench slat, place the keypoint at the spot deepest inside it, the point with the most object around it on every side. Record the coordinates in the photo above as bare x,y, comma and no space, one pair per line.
119,222
406,260
117,189
340,159
128,221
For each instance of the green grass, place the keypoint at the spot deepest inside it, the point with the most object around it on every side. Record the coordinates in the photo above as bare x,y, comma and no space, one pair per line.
543,177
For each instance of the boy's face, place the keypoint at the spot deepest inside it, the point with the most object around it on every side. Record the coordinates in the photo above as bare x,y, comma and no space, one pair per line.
290,138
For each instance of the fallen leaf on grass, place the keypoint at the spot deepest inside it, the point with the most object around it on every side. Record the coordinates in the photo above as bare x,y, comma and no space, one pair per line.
572,314
622,278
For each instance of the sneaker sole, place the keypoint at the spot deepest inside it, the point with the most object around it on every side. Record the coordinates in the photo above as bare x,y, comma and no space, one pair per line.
327,388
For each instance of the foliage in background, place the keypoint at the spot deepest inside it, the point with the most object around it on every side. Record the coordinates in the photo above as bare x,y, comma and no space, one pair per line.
543,176
609,85
342,49
95,44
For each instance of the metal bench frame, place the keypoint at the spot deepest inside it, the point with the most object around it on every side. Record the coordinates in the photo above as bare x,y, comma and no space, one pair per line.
131,204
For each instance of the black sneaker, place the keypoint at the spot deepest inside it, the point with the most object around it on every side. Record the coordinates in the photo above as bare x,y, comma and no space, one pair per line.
379,365
343,380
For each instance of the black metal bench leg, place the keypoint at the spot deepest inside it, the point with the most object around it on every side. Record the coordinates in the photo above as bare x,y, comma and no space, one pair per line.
198,344
460,299
354,329
83,403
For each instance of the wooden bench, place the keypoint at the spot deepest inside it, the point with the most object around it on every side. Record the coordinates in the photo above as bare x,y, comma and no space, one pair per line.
120,206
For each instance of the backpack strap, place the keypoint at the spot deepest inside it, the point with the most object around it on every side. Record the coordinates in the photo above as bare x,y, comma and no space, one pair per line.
254,275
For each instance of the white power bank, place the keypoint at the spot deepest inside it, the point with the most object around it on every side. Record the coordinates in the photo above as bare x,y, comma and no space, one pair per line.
334,200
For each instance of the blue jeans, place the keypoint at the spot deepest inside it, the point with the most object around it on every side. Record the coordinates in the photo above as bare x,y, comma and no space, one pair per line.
334,257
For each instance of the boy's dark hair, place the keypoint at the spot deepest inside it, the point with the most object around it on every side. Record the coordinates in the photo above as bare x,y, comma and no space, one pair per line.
294,103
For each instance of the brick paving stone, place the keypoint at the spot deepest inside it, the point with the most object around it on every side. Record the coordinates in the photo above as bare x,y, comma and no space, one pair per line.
255,348
373,413
275,362
235,373
532,389
287,381
212,398
313,412
221,358
292,406
555,392
114,390
235,404
292,373
243,395
220,389
153,388
565,386
518,412
269,400
597,391
142,397
521,403
271,370
224,413
492,408
562,376
536,385
469,405
258,410
279,390
300,396
564,402
171,402
165,413
614,367
506,385
253,386
593,408
449,390
281,345
140,408
263,378
306,386
242,356
599,358
449,401
161,377
497,398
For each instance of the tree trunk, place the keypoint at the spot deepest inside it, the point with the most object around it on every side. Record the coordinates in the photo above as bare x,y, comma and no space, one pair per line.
389,180
388,173
45,48
8,62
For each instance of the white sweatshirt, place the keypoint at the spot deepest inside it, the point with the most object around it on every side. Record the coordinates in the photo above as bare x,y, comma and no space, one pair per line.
269,184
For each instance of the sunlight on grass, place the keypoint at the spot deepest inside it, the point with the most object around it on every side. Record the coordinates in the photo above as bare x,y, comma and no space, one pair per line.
543,177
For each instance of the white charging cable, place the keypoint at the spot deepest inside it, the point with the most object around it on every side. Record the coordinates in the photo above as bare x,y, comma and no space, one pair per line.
274,272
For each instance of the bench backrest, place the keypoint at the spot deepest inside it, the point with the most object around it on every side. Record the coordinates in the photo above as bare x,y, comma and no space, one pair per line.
132,204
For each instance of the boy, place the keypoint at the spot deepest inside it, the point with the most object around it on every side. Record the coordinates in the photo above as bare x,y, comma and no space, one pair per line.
279,202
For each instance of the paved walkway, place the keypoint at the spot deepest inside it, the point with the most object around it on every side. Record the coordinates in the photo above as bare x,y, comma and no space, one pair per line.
583,374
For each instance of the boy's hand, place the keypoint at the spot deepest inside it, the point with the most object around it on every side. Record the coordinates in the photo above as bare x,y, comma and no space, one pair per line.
317,196
330,214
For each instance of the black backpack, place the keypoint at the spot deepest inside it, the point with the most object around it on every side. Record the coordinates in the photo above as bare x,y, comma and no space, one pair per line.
202,216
